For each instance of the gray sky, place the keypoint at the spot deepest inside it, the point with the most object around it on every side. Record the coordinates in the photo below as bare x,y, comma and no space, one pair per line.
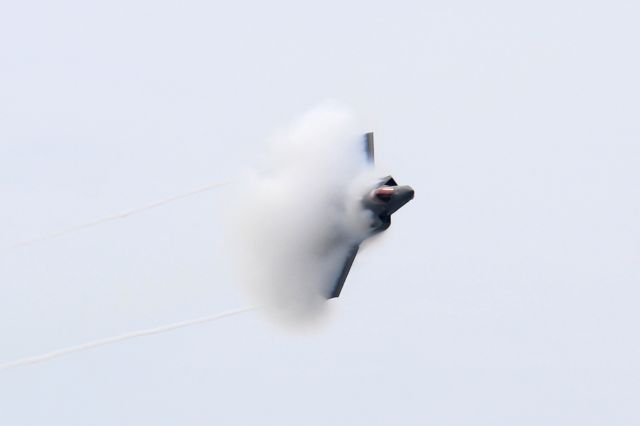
505,293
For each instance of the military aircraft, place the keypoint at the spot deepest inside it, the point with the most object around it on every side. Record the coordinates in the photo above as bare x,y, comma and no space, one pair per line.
383,198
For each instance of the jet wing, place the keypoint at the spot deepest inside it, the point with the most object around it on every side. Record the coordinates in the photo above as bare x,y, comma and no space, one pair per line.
337,288
368,147
351,255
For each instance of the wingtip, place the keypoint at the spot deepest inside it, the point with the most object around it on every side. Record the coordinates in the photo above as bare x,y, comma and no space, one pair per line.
369,147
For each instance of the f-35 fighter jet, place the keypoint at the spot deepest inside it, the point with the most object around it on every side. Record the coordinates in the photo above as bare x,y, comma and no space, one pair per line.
383,199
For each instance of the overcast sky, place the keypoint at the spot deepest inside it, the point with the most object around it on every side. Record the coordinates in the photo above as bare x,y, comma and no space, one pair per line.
505,293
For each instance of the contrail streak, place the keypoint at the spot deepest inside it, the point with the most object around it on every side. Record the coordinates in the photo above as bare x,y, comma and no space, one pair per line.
122,215
111,340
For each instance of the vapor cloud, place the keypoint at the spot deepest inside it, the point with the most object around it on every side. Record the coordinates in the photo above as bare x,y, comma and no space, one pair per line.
295,225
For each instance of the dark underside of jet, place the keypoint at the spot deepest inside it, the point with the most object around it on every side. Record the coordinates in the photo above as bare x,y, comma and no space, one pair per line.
383,198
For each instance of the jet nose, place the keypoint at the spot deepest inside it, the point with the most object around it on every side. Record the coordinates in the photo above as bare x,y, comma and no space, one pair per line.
410,192
403,194
406,193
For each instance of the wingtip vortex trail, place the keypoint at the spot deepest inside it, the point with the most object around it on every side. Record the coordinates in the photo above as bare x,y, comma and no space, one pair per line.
122,215
37,359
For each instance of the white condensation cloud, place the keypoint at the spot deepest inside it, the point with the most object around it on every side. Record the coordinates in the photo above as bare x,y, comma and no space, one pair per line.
294,225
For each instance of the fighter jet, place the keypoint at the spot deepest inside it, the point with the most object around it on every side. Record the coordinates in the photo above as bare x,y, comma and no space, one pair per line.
383,198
